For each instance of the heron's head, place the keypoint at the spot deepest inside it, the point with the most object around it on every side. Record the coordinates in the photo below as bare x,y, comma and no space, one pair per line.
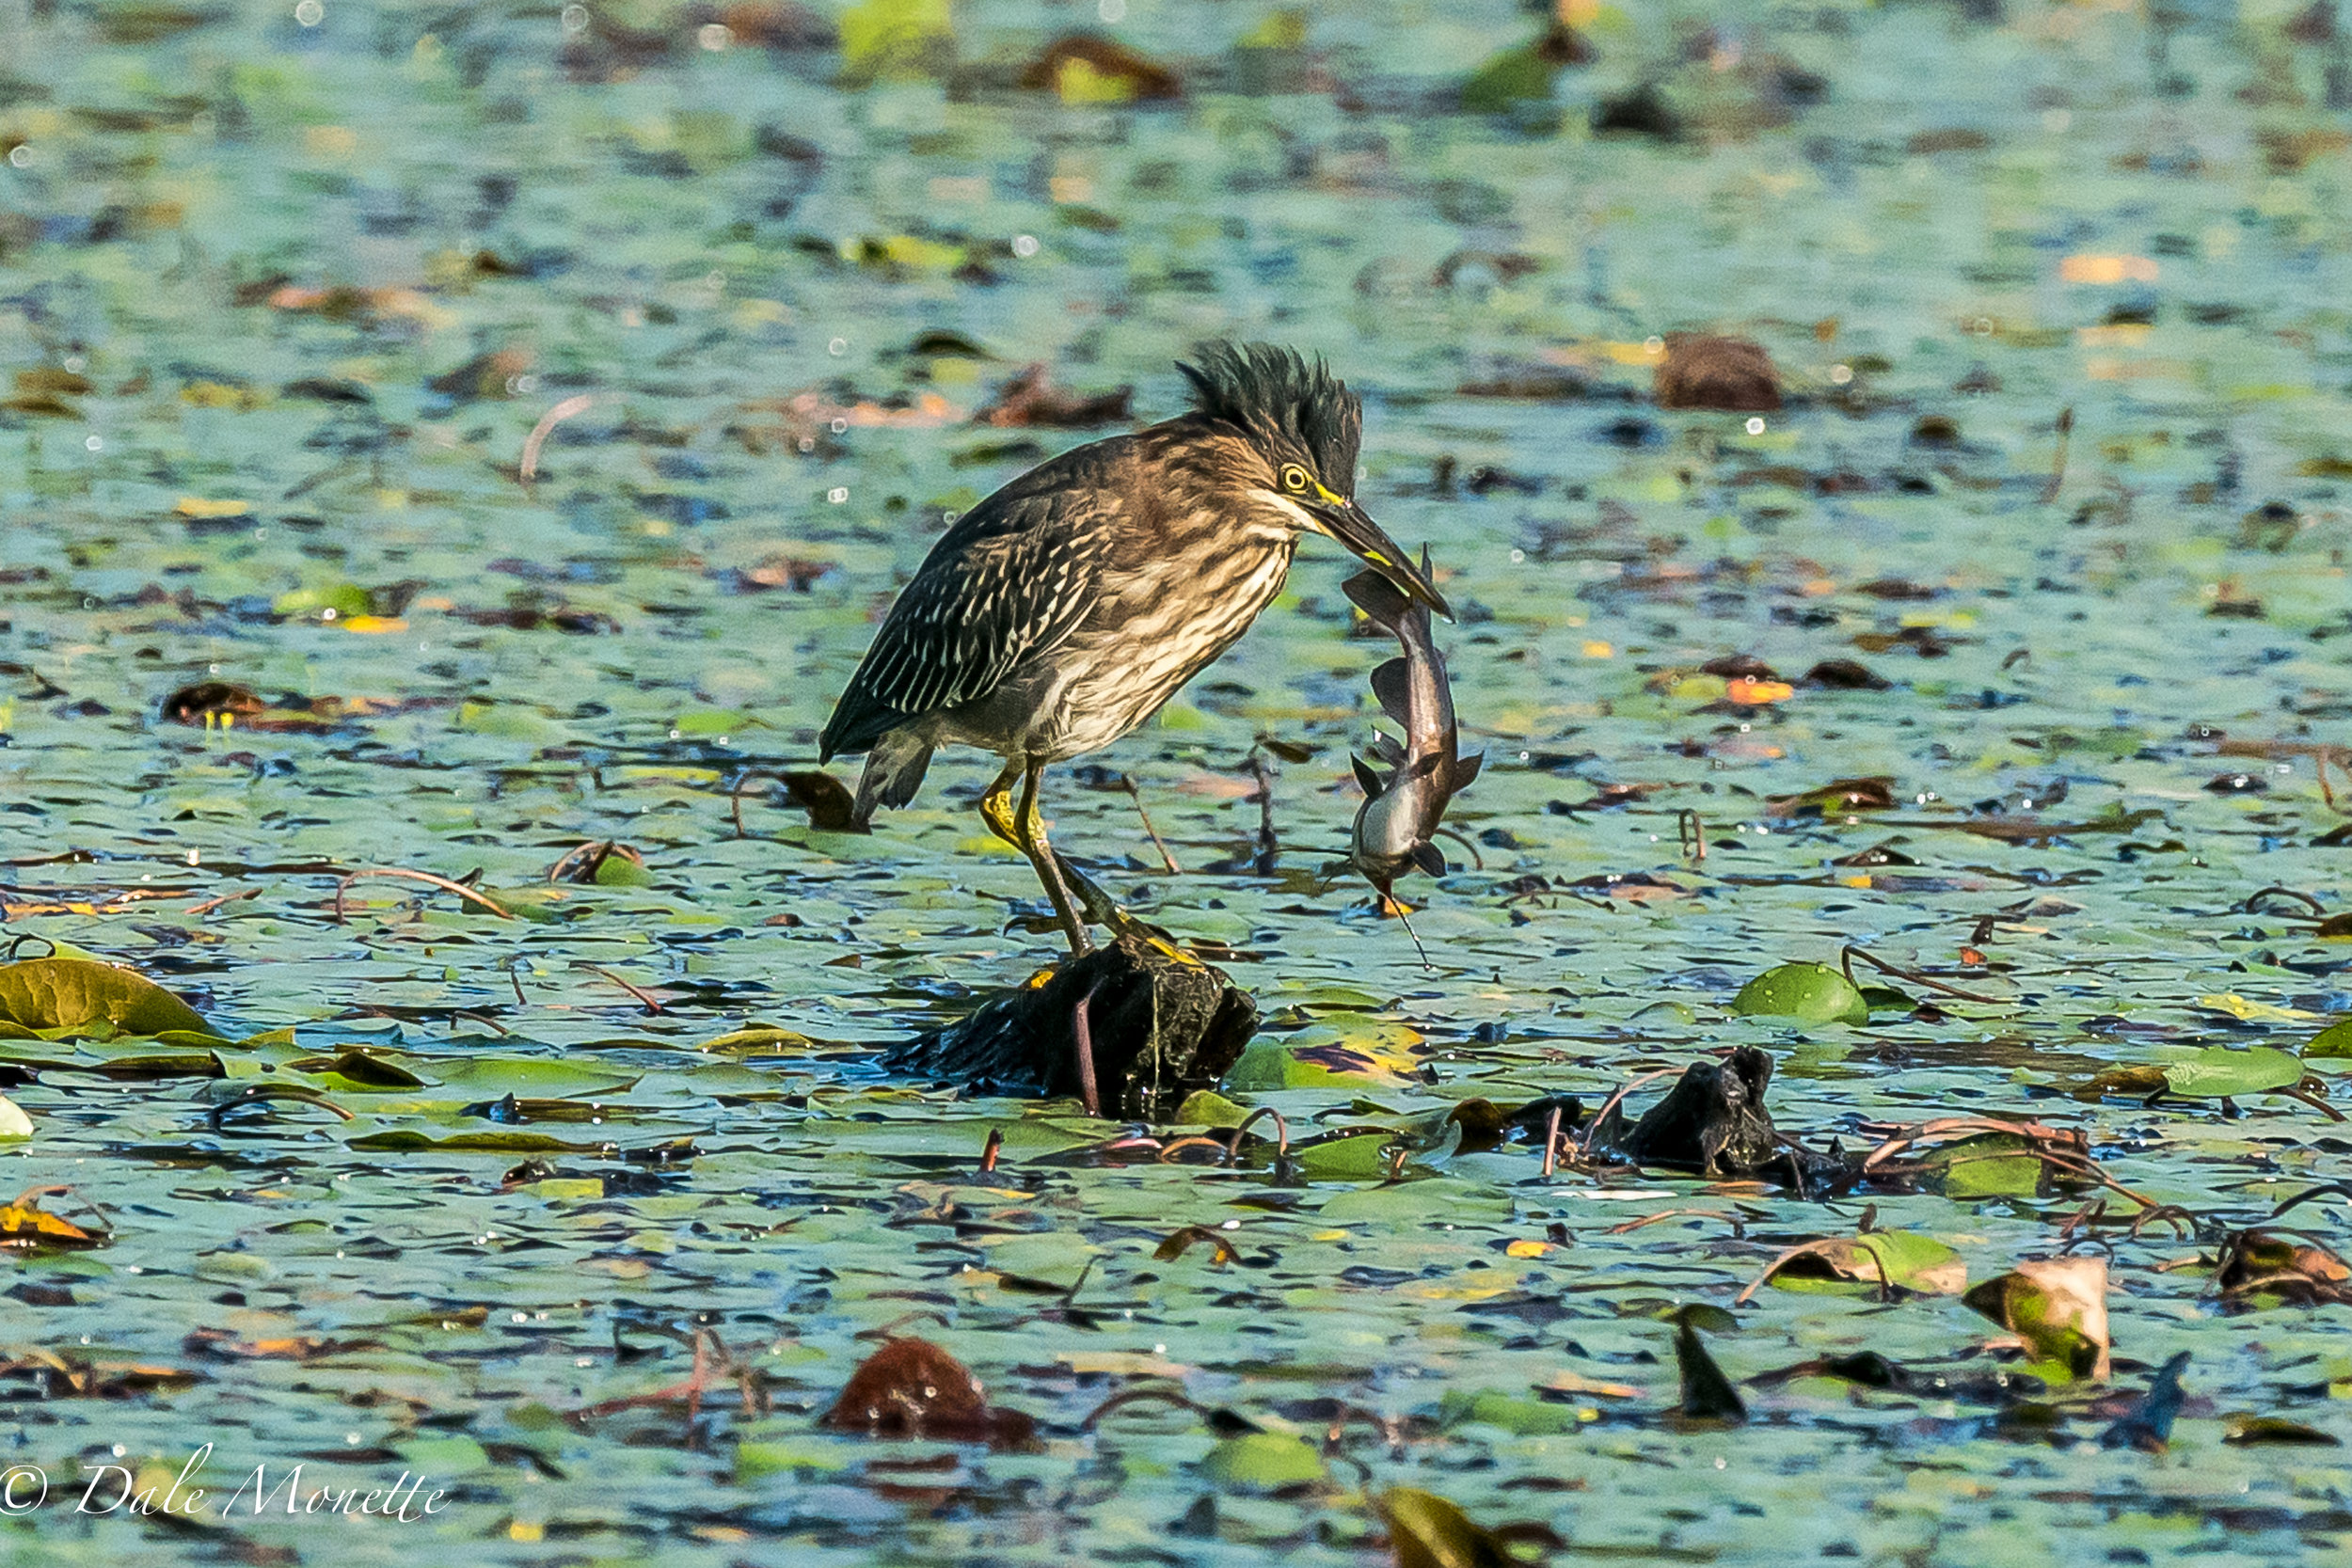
1301,428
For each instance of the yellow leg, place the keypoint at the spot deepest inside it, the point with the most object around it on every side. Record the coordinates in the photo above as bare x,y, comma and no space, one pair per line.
1025,832
996,807
1032,841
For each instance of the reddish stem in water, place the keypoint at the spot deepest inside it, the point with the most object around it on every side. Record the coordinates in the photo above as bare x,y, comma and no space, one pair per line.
1087,1092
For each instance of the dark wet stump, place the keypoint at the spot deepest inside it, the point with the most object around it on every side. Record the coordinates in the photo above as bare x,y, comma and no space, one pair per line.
1159,1027
1713,1121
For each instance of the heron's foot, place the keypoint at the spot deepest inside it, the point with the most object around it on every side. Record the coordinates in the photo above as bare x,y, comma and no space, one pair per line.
997,809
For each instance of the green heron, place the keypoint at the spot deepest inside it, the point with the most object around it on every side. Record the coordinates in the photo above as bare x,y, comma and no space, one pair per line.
1060,612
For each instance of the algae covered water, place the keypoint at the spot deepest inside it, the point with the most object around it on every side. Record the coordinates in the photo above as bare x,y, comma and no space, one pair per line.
477,442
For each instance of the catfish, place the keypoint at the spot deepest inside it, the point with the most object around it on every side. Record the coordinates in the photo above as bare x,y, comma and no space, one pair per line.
1401,815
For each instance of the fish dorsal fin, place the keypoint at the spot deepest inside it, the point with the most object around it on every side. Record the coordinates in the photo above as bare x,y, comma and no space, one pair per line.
1377,596
1366,777
1425,856
1393,684
1465,769
1386,751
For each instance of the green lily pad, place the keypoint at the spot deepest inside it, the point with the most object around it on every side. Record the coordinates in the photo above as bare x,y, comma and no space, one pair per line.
1873,1260
66,996
1429,1531
1519,1417
1990,1164
2332,1044
1261,1461
1814,993
1208,1108
2219,1072
329,602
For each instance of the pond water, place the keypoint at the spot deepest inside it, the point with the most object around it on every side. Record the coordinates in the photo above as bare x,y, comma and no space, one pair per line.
2057,295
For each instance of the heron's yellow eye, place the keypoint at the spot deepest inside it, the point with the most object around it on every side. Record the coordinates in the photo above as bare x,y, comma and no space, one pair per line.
1294,478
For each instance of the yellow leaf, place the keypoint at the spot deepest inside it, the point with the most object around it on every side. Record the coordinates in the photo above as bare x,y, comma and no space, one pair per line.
1079,81
2108,269
218,394
377,625
2253,1012
1651,353
24,1224
199,506
1119,1363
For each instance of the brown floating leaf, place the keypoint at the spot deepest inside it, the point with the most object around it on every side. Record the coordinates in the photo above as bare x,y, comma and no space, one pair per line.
912,1388
779,570
1875,793
2274,1263
1221,1251
1084,68
830,806
1924,640
206,701
1703,370
485,375
2058,1306
208,704
44,389
24,1223
778,25
2250,1430
1643,112
76,1374
1845,674
1030,398
221,1344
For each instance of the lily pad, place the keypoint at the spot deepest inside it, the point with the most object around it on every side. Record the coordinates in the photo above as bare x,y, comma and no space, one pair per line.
2058,1307
1875,1259
1813,993
1262,1460
2219,1072
62,997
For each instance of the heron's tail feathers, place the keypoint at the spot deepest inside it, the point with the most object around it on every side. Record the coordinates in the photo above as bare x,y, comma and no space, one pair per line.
894,771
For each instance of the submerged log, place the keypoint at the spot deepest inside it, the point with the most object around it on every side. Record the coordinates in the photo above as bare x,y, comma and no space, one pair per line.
1158,1023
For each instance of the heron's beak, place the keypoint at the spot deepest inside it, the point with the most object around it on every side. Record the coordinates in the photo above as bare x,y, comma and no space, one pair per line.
1346,522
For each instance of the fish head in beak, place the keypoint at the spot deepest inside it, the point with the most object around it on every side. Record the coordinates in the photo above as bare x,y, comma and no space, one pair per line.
1349,523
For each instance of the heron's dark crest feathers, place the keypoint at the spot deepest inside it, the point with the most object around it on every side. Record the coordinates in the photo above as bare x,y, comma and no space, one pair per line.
1284,404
